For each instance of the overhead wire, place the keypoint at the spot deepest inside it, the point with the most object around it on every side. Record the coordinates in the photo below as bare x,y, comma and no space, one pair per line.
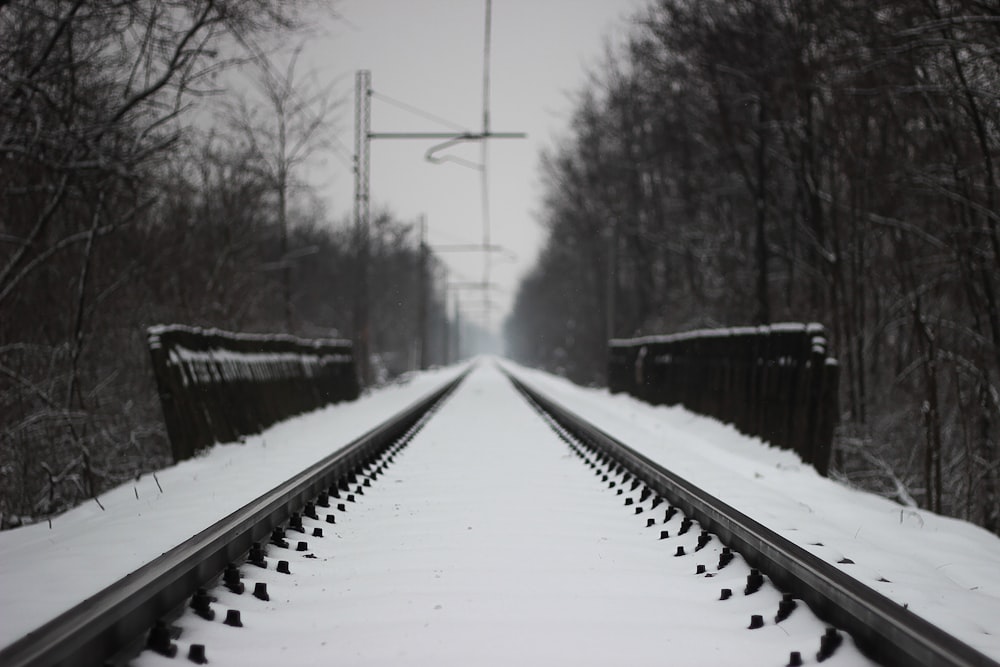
419,112
484,156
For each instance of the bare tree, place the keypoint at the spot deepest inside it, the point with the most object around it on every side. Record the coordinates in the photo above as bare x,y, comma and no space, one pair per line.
828,160
283,126
93,98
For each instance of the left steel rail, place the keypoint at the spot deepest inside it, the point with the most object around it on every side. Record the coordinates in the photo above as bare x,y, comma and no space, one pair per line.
118,617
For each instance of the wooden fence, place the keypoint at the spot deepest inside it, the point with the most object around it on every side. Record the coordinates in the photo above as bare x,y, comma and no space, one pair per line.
216,386
776,382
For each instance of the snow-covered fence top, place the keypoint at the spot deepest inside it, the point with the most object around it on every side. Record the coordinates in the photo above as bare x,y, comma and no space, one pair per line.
216,386
777,382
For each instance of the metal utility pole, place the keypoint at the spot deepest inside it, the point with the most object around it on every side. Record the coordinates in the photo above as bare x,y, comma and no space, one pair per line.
611,287
446,334
362,138
362,168
483,159
422,296
458,331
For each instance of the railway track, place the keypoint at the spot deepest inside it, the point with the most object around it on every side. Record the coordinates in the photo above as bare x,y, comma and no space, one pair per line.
884,630
115,624
699,535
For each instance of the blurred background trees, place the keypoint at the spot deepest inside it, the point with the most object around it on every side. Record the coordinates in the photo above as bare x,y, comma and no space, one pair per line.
733,161
756,161
124,202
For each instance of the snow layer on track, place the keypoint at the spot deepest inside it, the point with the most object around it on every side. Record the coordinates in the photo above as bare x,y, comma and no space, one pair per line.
45,571
946,570
485,543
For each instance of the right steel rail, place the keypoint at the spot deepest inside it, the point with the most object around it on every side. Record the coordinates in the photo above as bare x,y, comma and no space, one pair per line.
883,629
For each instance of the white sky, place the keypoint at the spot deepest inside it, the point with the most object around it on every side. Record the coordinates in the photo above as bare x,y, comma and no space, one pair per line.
428,54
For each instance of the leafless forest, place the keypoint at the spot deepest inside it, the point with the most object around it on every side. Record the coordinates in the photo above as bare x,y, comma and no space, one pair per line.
135,190
734,161
756,161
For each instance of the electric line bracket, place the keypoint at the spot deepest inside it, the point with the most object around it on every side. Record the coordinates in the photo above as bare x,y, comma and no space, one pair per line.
363,137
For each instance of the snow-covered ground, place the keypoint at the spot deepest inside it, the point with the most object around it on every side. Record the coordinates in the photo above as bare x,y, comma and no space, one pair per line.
45,571
947,571
488,543
518,604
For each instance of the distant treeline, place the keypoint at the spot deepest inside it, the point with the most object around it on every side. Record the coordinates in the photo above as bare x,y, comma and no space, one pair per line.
751,161
115,214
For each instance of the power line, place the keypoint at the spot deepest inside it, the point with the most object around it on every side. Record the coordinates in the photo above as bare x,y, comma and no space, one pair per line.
418,111
484,158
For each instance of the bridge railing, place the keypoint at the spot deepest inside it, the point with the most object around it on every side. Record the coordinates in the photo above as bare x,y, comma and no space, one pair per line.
776,382
216,386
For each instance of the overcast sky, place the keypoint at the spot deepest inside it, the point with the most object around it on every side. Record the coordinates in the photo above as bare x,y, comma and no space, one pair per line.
429,54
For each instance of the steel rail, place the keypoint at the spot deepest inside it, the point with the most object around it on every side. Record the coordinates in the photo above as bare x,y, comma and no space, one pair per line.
120,615
883,630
